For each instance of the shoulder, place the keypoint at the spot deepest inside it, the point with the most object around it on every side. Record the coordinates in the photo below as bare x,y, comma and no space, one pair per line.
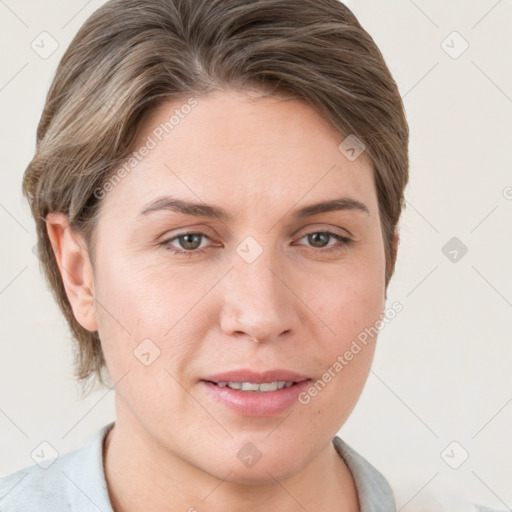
415,497
378,493
73,481
32,487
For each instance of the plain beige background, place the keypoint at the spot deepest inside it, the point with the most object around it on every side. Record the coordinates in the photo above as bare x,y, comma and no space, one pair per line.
441,387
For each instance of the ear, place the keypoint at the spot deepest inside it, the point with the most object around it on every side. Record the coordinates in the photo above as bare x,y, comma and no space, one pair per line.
396,239
394,252
75,269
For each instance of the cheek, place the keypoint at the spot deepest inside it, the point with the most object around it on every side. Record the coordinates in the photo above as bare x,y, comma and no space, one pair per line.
134,297
351,298
350,302
145,322
346,356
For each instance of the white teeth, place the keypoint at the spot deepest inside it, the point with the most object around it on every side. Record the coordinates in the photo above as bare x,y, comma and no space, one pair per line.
271,386
250,386
247,386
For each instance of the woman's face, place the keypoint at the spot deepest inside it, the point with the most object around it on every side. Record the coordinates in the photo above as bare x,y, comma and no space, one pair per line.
169,320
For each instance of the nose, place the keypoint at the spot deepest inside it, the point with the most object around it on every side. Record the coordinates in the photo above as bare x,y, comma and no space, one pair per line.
258,301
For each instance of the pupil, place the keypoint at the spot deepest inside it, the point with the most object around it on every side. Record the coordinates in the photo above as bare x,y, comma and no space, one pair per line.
313,238
189,240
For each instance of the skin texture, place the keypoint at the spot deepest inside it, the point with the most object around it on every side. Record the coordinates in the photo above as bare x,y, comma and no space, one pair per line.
260,159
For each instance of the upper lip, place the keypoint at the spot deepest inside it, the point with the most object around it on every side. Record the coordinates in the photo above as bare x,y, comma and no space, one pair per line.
246,375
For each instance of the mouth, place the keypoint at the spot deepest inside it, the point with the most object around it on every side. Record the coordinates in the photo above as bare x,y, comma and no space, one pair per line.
245,379
256,394
254,387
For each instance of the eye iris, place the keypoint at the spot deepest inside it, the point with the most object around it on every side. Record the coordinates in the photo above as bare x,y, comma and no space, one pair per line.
314,237
190,239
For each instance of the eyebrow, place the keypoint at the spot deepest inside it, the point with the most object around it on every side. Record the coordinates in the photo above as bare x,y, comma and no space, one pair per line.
216,212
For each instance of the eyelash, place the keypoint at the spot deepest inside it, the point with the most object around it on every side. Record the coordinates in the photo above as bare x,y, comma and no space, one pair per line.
343,242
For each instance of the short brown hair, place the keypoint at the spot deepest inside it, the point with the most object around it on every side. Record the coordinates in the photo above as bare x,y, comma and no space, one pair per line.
131,55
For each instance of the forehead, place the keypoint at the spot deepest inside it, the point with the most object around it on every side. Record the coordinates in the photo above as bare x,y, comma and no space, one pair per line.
233,148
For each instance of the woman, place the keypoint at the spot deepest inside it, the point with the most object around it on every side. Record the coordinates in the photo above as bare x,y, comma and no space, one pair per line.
216,188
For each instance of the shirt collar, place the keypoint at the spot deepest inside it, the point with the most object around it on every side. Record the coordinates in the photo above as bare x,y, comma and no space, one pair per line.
87,474
373,490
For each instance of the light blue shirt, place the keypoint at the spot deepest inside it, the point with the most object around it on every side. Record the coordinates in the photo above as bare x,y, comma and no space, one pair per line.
75,482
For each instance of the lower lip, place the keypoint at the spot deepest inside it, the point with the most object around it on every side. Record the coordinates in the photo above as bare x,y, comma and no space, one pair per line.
257,403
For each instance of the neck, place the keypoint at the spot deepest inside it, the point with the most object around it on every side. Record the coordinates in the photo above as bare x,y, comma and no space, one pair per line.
143,475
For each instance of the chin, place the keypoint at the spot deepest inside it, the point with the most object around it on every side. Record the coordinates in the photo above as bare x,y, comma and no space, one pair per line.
262,475
263,469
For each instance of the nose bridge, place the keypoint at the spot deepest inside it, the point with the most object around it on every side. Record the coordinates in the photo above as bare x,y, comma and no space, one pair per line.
257,302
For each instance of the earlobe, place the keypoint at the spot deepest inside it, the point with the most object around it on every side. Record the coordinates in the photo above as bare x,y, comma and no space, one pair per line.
75,268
